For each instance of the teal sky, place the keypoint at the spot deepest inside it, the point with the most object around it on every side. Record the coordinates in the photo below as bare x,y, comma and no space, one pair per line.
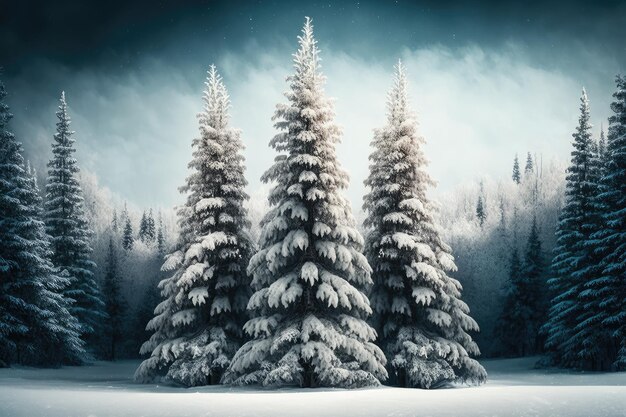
487,79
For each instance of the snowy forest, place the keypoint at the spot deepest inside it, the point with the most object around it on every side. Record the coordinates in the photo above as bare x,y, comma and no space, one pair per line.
297,286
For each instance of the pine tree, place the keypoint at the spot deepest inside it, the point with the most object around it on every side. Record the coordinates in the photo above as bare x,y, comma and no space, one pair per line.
517,176
128,239
114,303
571,257
67,225
608,288
481,214
418,313
198,326
114,222
143,228
150,228
160,237
530,166
36,326
309,309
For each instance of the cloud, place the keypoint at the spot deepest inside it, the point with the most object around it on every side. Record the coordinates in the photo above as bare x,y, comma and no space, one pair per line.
476,107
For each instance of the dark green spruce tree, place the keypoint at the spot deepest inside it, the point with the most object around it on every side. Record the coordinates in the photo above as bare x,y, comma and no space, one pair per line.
36,327
571,255
69,231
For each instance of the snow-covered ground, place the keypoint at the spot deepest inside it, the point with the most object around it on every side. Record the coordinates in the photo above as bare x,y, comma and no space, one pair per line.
106,389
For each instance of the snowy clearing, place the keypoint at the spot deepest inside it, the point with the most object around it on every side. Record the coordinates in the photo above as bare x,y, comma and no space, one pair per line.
105,389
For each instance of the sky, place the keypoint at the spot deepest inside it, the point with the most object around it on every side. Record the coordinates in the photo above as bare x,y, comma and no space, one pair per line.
487,79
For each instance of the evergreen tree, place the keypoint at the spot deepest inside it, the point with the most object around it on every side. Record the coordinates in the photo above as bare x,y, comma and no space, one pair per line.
572,258
36,326
150,227
309,309
128,239
143,228
481,214
608,288
517,176
160,237
530,166
114,222
418,313
114,303
198,326
67,225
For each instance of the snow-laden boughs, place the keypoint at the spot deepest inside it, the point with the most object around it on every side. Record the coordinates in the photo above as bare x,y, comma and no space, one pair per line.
421,321
35,325
69,230
605,294
569,329
308,327
197,326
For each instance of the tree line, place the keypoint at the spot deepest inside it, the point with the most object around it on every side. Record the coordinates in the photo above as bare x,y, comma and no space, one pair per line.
313,302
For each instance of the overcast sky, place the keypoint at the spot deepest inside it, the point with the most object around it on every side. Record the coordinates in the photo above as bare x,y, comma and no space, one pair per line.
487,80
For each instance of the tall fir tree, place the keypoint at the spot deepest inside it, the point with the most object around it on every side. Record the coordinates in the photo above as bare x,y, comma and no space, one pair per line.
198,326
160,237
36,327
309,310
67,225
150,228
143,228
128,239
481,214
608,289
114,304
530,165
571,256
517,176
421,321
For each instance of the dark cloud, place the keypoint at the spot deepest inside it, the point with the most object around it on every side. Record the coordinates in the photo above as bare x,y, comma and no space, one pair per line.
133,72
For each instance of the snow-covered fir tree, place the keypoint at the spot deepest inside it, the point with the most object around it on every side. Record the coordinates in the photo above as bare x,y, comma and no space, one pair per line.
517,176
309,310
608,288
481,213
67,225
530,165
421,320
524,307
147,227
128,239
35,326
198,326
114,304
160,237
143,227
572,257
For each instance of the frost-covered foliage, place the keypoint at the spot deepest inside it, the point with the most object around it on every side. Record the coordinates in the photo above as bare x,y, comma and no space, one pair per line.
35,325
198,325
573,262
309,309
422,323
67,225
483,254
